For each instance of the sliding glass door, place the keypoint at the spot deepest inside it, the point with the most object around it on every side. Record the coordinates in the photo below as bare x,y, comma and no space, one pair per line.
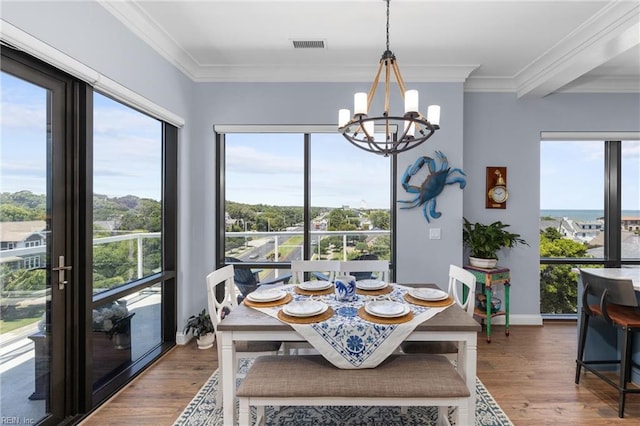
35,269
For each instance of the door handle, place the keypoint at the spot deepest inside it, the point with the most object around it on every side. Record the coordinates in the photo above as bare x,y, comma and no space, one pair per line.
61,268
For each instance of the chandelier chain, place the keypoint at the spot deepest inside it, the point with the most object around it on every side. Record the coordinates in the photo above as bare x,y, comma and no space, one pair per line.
388,25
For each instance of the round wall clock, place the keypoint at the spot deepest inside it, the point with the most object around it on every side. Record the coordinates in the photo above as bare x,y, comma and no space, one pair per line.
499,194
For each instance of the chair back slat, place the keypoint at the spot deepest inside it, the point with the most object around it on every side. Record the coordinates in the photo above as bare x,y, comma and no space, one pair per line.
223,276
460,278
366,269
619,291
324,269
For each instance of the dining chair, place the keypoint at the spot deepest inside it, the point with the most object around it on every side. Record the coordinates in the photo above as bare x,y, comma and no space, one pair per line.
220,308
247,280
324,270
462,288
614,301
319,269
366,269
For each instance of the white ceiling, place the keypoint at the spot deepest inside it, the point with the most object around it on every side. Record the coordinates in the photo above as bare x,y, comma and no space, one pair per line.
533,48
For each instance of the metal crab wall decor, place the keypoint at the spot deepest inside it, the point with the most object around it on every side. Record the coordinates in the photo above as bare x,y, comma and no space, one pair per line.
433,185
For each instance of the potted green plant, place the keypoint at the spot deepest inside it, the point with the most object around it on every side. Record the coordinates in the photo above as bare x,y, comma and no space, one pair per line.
202,329
484,241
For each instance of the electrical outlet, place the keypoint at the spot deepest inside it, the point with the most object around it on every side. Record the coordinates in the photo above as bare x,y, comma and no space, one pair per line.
434,233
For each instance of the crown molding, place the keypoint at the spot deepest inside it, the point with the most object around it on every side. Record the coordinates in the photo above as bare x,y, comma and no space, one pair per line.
138,22
612,31
490,84
329,73
596,84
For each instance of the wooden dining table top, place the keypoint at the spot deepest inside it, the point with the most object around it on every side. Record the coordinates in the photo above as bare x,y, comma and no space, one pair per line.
244,318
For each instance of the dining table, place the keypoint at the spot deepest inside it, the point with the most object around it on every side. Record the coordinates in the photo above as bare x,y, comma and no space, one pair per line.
248,323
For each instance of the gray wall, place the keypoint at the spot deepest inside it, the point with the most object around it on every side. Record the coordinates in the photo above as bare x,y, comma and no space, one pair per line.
478,130
501,130
419,259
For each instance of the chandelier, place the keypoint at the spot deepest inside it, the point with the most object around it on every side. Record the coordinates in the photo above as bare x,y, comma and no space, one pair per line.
388,134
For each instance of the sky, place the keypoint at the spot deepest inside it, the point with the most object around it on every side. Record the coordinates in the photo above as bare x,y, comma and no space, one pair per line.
127,144
572,175
268,168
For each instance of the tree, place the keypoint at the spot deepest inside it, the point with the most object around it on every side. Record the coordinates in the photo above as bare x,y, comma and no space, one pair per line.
147,216
379,219
25,199
12,213
339,221
115,261
362,247
381,247
22,279
551,234
558,289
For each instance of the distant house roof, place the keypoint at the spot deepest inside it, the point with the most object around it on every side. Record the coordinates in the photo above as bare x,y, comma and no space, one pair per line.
19,231
549,223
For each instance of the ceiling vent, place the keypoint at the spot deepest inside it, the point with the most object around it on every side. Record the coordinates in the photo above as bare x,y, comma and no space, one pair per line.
308,44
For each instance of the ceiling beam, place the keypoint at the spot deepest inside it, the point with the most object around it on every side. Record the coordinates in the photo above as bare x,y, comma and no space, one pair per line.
611,32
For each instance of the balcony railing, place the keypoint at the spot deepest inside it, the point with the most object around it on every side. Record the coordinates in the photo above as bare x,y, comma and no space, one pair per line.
270,251
256,239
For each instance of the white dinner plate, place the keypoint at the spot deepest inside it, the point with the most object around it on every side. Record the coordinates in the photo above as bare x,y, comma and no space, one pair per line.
370,284
270,295
315,285
386,308
428,294
305,308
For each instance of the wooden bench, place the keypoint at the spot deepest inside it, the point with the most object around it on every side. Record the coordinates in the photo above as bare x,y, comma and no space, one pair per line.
401,380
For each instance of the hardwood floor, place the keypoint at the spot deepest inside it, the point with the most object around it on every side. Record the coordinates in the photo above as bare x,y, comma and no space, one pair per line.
529,373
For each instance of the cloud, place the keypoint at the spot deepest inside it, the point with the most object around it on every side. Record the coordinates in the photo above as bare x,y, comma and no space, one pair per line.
248,161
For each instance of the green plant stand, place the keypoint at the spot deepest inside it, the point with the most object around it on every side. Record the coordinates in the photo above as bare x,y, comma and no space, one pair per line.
488,278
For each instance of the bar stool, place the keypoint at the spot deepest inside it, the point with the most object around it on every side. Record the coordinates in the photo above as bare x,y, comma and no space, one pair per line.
618,306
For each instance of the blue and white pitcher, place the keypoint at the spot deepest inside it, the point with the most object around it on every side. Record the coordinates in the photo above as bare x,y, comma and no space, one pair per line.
345,286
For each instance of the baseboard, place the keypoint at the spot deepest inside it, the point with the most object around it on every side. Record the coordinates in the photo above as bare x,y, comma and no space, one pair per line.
183,339
515,319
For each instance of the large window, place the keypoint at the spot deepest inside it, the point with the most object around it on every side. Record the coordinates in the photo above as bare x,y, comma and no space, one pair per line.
302,195
129,242
127,200
127,234
589,214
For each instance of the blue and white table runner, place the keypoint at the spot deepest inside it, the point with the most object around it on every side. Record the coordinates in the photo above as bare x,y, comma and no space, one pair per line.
348,341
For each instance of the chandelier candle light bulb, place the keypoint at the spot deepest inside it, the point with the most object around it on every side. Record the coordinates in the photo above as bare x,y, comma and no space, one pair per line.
433,115
360,103
344,115
411,101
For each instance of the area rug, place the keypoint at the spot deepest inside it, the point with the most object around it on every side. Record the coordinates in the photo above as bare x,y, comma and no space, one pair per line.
202,411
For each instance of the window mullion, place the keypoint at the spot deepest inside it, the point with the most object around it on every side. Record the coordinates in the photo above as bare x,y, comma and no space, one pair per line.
307,197
612,203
